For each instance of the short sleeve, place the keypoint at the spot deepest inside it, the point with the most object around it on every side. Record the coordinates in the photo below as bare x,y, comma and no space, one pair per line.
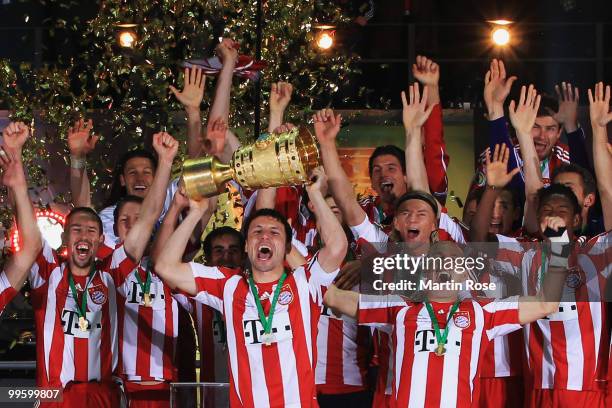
379,311
501,317
7,292
369,232
45,263
318,279
452,228
108,221
210,282
119,265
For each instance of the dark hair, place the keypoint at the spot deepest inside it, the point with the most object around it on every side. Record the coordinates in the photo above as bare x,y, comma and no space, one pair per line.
556,189
123,201
548,106
117,190
217,233
589,184
390,150
269,212
88,211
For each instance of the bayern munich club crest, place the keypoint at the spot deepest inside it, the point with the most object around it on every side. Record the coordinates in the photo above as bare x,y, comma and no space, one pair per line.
97,295
285,297
462,319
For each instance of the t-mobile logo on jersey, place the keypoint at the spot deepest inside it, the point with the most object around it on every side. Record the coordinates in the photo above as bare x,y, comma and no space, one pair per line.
281,329
326,311
70,323
219,331
425,340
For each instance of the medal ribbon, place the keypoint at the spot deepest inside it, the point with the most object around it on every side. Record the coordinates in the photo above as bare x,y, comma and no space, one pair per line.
146,286
441,337
266,322
75,294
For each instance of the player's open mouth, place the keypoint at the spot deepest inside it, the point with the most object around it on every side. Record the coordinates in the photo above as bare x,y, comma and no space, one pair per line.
264,253
444,277
412,233
140,187
496,226
386,186
82,250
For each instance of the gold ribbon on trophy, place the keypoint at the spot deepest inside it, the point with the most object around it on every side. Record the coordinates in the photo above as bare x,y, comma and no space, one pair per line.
278,160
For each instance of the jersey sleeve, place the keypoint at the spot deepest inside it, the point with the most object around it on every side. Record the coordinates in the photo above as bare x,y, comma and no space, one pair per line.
209,285
108,221
7,292
501,317
435,155
45,263
450,229
369,232
318,279
379,311
119,265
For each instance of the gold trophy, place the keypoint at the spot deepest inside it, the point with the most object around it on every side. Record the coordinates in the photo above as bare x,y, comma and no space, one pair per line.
278,160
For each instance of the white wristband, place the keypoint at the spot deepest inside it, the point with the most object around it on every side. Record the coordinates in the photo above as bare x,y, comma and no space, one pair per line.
77,162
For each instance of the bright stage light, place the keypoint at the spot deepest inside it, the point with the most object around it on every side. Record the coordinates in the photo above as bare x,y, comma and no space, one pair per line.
501,36
127,39
325,40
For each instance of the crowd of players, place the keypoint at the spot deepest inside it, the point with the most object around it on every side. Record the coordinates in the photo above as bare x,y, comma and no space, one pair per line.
276,309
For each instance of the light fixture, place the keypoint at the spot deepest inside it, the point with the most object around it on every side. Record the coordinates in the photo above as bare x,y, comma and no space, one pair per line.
500,36
325,40
127,38
51,226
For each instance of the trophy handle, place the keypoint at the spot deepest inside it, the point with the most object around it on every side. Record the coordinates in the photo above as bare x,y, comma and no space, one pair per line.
205,177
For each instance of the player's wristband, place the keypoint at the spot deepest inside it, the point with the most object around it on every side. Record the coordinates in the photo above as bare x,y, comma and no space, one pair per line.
77,162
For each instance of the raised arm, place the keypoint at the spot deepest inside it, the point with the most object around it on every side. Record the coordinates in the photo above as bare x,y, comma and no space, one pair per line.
327,126
567,116
602,159
13,177
216,144
191,97
414,114
280,96
81,142
497,178
427,72
169,265
140,234
335,244
522,116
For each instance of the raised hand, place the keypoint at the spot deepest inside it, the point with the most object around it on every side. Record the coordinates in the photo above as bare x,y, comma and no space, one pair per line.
180,199
280,96
12,170
15,136
524,114
215,137
193,90
496,89
202,205
497,169
81,141
415,113
165,146
568,106
599,105
227,51
426,71
284,128
553,223
318,180
326,125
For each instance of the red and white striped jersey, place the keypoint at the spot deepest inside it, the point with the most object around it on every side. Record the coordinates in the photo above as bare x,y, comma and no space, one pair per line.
212,339
281,374
7,292
342,354
147,335
568,349
64,352
384,356
422,378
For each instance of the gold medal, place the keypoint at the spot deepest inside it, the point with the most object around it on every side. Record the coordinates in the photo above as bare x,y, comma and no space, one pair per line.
83,324
147,299
440,350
